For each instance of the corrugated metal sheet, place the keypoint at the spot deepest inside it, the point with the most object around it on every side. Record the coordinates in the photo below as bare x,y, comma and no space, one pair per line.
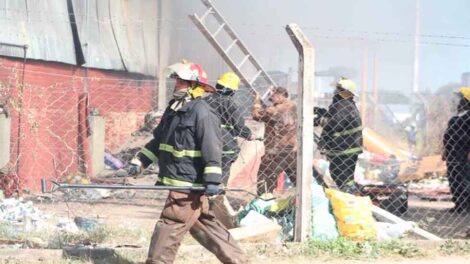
43,25
118,34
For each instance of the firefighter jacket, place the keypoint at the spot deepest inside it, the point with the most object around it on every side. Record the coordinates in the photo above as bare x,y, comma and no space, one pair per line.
342,131
232,121
457,138
280,129
187,145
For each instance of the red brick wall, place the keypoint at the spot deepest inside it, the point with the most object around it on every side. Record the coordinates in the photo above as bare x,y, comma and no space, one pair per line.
45,133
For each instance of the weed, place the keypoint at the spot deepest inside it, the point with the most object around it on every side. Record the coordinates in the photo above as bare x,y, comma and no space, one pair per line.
347,249
452,247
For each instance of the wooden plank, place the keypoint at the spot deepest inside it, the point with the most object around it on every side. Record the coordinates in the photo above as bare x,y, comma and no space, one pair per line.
256,233
386,216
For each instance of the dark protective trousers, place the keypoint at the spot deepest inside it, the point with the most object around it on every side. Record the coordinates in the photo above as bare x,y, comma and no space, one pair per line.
185,212
270,168
458,174
342,169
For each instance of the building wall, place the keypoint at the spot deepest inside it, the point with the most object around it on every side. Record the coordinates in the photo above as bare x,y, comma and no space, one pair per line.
49,127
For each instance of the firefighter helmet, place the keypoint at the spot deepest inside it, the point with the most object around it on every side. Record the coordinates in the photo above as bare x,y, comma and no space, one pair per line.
189,71
229,80
465,92
348,85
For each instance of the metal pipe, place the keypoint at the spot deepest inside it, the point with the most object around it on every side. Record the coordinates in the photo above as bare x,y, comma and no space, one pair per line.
60,185
14,45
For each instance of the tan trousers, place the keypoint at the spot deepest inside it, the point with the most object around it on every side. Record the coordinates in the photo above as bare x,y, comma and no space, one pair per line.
185,212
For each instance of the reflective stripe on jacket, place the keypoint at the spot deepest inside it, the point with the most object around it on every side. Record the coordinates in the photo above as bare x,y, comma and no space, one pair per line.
187,145
342,132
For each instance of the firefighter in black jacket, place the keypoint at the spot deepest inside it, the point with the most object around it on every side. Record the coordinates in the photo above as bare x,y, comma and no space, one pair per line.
457,153
188,147
233,123
341,137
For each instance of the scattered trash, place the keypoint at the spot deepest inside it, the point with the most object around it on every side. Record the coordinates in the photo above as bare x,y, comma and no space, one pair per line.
18,216
113,162
67,225
87,194
431,189
390,197
353,215
388,231
323,222
254,218
87,224
256,205
88,252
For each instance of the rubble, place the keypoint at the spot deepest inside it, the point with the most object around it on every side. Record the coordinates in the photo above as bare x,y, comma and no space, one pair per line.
431,189
113,162
87,224
17,215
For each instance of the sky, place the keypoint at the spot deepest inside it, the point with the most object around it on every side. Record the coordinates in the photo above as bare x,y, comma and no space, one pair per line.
346,34
350,34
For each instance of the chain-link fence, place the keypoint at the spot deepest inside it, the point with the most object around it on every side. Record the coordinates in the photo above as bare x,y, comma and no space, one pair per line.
79,125
403,166
399,165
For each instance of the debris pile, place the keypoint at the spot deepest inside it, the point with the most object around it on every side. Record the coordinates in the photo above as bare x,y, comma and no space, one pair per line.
431,189
19,216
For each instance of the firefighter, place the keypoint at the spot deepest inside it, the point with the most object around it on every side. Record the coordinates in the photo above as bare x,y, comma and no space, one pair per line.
341,137
456,143
188,147
280,139
233,124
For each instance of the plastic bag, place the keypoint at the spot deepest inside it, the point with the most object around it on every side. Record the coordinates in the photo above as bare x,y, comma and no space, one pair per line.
353,215
323,222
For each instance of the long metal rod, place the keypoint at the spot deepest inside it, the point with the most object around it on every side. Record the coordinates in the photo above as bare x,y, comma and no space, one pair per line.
127,187
60,185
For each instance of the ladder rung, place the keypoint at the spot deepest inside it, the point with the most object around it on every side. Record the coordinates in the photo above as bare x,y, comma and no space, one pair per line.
231,46
218,30
255,77
206,14
243,61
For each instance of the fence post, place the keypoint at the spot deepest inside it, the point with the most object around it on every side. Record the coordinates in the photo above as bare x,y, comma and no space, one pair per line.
304,132
97,143
5,132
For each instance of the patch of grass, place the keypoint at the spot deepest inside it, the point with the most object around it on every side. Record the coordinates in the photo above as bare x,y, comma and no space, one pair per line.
452,247
347,249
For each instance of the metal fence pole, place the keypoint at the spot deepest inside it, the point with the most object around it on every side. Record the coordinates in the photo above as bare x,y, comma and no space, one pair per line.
304,131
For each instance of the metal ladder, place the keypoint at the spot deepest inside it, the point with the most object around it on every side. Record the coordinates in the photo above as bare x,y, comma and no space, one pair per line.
235,41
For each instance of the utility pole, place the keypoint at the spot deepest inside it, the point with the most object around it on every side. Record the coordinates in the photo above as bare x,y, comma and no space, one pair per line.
416,48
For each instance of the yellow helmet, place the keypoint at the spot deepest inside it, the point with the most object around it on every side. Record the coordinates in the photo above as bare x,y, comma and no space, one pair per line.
465,92
348,85
229,80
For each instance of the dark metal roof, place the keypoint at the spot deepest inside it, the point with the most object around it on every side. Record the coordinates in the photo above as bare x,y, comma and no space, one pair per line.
42,25
119,35
116,35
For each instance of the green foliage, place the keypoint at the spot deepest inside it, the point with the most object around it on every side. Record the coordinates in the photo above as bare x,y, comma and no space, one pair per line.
452,247
347,249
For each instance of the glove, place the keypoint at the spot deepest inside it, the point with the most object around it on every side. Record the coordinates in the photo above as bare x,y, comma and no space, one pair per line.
135,167
213,189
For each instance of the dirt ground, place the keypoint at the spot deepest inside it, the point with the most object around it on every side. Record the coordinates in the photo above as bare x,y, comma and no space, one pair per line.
140,210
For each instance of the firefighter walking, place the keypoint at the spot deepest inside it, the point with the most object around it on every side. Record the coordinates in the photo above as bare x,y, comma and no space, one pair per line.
188,148
341,137
456,143
232,121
